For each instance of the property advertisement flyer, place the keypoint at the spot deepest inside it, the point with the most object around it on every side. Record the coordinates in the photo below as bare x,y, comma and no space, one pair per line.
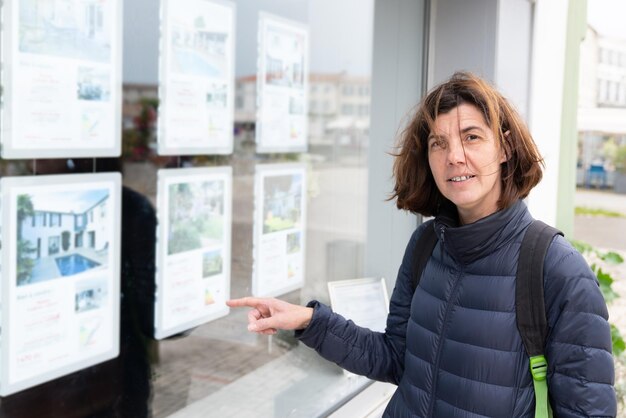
196,88
61,78
279,229
282,84
194,207
61,271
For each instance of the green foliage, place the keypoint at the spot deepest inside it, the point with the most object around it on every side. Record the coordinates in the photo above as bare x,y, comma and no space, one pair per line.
189,234
212,227
606,283
184,238
24,207
620,159
277,224
612,258
581,210
136,140
618,341
25,264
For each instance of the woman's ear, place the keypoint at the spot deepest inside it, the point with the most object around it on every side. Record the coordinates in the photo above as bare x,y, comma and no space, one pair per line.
505,149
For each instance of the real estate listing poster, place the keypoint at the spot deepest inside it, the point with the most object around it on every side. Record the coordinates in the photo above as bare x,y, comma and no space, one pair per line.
196,109
61,78
279,229
193,247
282,85
61,276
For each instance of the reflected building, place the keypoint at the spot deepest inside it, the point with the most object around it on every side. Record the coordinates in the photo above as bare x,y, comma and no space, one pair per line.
339,111
601,108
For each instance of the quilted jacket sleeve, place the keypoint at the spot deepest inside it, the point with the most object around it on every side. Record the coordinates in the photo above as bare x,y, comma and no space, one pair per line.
581,374
379,356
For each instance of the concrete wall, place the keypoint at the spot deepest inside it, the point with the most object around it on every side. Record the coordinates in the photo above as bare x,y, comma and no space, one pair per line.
463,38
399,34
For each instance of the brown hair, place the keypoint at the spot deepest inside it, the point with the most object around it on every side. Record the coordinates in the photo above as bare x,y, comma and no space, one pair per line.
415,189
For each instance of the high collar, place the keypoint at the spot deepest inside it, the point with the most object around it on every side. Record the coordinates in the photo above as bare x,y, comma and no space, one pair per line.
467,243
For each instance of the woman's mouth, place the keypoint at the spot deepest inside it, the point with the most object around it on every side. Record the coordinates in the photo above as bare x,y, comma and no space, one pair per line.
458,179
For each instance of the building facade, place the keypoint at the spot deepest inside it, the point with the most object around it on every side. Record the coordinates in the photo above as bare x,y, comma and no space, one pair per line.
370,63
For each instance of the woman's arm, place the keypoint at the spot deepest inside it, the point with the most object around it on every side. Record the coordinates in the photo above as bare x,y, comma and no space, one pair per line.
580,364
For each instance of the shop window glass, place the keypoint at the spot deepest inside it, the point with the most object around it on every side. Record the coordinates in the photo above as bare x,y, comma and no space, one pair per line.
219,367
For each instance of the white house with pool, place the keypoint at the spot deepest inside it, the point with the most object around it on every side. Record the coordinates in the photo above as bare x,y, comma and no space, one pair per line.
67,234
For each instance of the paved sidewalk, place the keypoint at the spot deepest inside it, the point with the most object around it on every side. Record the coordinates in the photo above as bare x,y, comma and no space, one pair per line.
601,199
600,231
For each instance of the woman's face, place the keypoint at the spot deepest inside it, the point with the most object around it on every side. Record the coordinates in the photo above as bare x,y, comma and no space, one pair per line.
465,157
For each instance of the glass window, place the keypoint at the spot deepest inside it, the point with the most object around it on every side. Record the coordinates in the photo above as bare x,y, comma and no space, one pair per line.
604,55
602,90
216,365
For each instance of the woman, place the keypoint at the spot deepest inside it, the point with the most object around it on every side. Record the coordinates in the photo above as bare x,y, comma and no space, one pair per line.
452,345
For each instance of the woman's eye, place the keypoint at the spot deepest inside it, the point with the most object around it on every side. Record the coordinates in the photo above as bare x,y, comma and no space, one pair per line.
436,144
472,137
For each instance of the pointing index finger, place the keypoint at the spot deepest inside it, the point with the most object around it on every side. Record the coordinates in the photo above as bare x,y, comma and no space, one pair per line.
247,301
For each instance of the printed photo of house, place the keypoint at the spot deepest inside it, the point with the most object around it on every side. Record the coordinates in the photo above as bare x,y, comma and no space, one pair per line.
77,29
196,215
284,57
282,202
61,234
199,50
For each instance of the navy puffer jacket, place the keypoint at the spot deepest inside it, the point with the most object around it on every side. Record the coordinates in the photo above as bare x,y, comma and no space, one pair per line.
453,347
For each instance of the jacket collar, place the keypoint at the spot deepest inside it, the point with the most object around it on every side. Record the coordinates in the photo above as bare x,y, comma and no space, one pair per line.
468,243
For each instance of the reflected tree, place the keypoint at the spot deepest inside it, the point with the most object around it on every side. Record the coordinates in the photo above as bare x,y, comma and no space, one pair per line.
25,263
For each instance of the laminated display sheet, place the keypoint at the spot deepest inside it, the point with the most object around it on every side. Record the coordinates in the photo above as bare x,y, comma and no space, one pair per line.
61,276
61,78
196,89
282,85
279,229
193,247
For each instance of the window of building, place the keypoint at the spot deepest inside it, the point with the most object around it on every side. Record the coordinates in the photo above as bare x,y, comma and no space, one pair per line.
602,90
347,109
219,366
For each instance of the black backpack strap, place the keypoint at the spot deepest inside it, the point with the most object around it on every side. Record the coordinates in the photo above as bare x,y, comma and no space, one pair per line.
421,253
529,298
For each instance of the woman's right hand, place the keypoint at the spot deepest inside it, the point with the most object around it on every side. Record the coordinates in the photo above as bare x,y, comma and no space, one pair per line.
268,315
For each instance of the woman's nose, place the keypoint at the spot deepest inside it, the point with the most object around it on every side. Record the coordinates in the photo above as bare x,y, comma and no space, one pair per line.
456,152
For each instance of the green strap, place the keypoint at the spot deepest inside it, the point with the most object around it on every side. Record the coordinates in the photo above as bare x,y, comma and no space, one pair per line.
539,371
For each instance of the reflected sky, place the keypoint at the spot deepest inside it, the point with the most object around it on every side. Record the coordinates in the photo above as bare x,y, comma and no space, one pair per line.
66,202
607,17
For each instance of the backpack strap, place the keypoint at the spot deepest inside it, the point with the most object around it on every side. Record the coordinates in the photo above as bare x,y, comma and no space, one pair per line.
422,252
530,307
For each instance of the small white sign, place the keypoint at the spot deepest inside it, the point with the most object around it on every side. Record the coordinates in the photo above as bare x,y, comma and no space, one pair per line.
364,301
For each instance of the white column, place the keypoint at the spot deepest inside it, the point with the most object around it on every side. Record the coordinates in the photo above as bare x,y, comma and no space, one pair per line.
546,100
